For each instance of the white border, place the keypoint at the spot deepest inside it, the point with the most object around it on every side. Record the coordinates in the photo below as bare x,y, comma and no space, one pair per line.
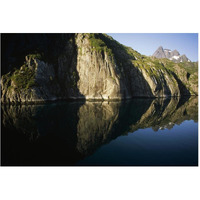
100,182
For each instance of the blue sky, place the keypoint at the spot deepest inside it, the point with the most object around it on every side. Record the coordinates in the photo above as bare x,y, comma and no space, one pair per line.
147,43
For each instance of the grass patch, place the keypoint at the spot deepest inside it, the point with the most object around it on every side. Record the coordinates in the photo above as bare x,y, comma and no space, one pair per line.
190,67
24,79
35,56
99,45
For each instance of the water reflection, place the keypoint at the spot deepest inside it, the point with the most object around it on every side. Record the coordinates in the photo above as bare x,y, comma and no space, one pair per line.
64,133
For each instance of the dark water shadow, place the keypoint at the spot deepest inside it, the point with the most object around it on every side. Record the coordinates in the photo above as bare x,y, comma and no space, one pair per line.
63,133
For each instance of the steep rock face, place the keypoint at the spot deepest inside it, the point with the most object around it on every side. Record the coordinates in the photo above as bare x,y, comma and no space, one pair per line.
94,66
98,78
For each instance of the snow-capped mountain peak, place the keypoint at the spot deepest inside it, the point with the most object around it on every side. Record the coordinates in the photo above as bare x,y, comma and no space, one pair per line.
171,55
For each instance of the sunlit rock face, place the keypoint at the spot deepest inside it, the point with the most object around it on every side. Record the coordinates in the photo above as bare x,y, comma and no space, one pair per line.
87,66
97,71
82,128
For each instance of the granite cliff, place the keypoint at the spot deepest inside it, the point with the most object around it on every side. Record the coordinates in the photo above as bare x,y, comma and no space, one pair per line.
46,67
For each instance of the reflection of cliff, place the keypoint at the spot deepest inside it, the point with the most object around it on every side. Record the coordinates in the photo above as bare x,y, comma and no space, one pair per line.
78,129
22,118
95,123
99,124
41,120
40,134
165,113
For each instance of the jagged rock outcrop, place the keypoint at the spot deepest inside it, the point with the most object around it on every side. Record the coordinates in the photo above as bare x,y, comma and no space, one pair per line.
92,66
31,83
160,53
171,55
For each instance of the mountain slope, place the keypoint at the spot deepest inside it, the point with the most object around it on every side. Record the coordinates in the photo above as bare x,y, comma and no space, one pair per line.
88,66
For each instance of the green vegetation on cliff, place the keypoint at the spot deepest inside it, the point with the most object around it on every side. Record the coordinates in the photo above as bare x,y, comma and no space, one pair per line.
190,67
120,52
24,79
98,44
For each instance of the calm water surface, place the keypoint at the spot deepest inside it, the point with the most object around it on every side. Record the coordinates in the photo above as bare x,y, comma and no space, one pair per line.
140,132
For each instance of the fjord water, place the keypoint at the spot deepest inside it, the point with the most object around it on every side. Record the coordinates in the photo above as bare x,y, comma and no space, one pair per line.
139,132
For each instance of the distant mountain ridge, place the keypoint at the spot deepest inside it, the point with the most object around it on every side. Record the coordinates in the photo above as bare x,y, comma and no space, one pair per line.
171,55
